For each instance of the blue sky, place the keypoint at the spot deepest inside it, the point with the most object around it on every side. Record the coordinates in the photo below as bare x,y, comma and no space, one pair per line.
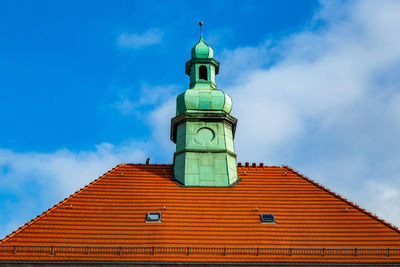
64,67
88,85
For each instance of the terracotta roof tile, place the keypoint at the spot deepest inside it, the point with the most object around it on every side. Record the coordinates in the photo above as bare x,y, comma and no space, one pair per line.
105,221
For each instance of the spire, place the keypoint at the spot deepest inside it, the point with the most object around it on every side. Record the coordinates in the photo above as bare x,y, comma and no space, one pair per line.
201,29
201,49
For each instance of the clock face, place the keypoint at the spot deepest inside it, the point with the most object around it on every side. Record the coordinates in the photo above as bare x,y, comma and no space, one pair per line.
204,136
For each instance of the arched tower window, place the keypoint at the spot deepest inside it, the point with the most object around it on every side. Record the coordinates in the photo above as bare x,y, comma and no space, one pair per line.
203,73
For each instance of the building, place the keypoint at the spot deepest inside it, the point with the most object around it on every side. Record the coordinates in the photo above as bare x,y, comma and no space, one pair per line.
204,208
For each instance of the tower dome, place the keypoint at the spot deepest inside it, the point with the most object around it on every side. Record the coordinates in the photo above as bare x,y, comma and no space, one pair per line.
202,50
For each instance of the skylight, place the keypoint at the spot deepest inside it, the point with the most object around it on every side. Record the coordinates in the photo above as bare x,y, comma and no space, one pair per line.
153,217
267,218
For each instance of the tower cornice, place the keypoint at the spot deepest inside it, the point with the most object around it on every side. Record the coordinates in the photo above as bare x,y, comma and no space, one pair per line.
210,116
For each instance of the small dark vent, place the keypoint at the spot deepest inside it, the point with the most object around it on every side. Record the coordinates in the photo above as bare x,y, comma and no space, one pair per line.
267,218
153,217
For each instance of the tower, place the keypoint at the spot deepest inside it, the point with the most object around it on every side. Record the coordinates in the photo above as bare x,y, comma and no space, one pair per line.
202,129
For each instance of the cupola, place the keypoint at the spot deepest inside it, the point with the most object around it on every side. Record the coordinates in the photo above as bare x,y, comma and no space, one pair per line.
202,67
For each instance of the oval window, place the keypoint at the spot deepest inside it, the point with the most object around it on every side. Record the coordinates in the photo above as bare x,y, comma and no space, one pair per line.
204,136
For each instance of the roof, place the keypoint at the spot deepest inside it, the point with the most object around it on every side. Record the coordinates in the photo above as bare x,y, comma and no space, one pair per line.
106,221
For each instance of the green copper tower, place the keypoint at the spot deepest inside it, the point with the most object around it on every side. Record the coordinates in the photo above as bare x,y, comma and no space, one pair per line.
203,130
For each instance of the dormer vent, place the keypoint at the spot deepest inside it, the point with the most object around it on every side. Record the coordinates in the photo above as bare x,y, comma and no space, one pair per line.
267,218
153,217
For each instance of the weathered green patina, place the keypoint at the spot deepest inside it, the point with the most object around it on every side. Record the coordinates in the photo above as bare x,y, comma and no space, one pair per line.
203,130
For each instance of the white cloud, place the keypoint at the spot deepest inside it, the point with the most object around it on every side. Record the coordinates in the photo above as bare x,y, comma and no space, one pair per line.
242,61
156,105
150,97
124,105
160,121
330,105
150,37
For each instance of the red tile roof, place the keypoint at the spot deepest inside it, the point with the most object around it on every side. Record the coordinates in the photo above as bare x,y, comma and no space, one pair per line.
106,221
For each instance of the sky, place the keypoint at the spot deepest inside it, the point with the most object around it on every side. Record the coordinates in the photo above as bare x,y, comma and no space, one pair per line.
87,85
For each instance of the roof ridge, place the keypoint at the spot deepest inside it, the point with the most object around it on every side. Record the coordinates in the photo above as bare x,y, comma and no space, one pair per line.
239,164
391,226
21,228
254,165
150,164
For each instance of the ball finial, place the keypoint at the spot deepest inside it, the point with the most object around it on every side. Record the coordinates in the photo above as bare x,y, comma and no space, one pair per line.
201,23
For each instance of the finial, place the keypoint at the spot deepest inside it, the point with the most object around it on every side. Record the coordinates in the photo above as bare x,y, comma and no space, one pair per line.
201,29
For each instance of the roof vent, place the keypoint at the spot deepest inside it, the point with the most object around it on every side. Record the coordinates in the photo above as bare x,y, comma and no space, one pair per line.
267,218
153,217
